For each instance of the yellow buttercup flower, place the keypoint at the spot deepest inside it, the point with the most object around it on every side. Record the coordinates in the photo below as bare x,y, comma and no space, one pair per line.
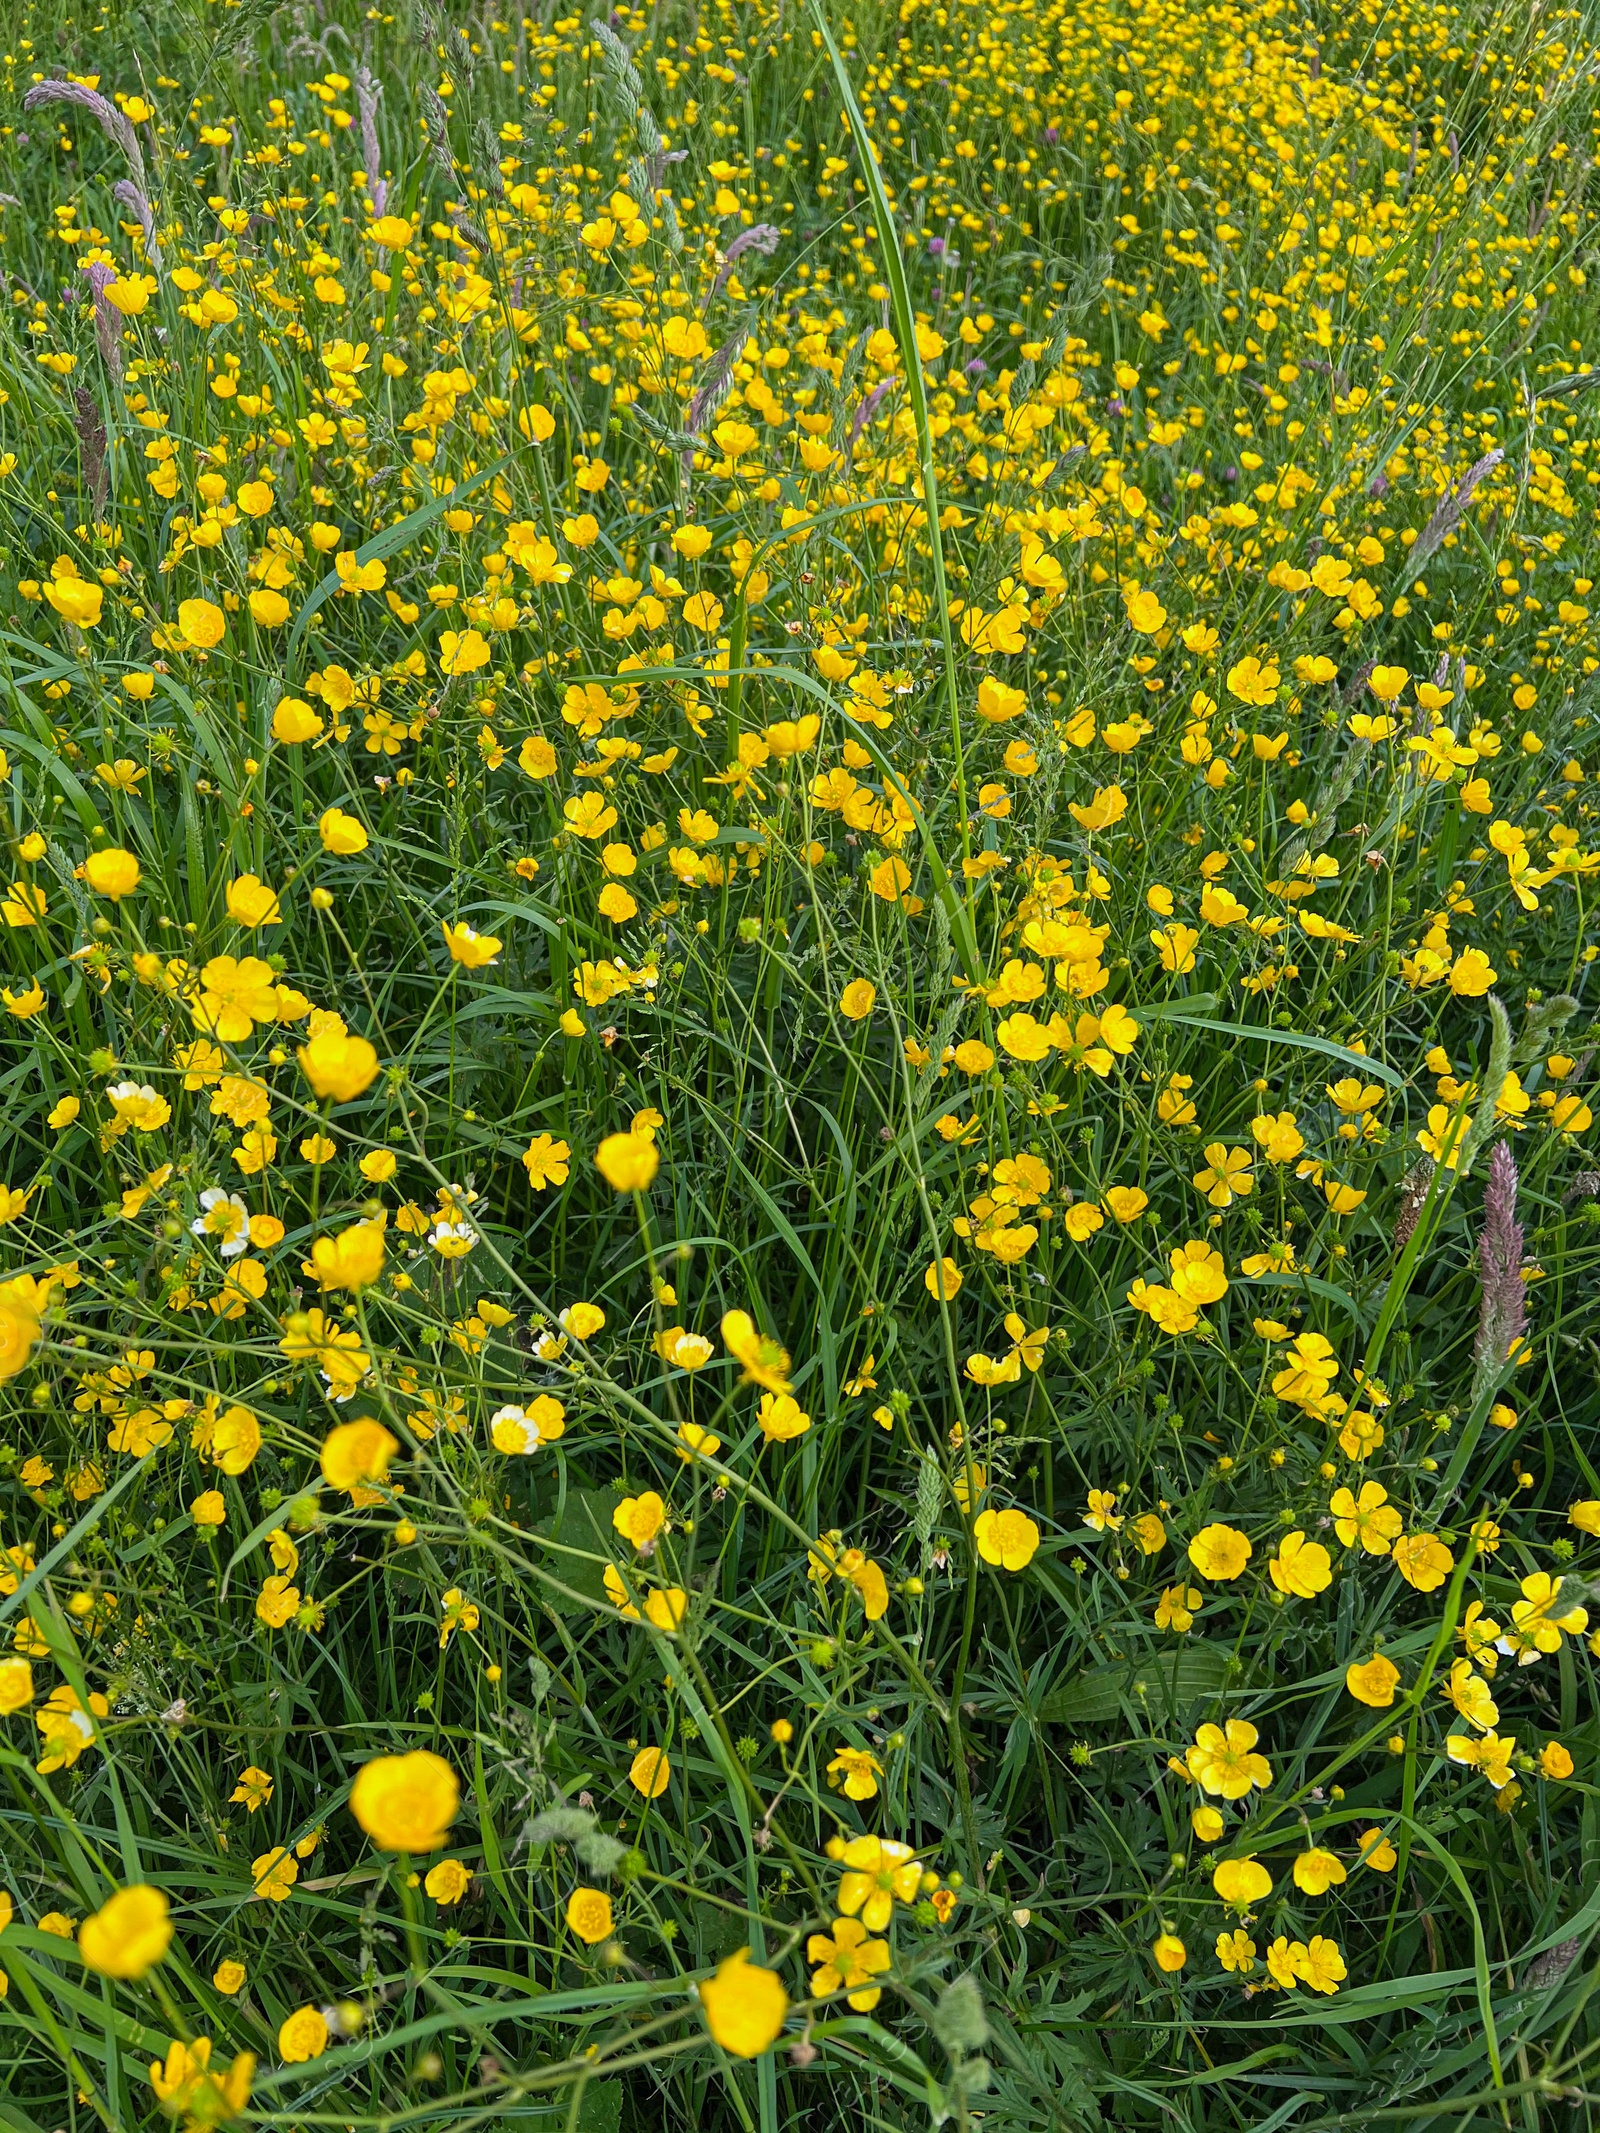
351,1260
589,1915
650,1772
1373,1681
1220,1552
128,1935
744,2006
761,1360
338,1066
848,1961
1241,1882
201,624
112,872
357,1452
628,1161
302,2035
1223,1760
473,951
406,1803
448,1882
1009,1539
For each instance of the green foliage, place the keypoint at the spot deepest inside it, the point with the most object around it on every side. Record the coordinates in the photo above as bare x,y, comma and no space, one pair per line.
849,642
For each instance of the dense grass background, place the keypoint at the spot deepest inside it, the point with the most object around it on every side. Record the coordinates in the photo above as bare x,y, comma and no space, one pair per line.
1244,334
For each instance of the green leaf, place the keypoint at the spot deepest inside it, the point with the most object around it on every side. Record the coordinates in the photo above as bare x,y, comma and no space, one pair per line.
1160,1682
1313,1285
1357,1062
1183,1009
48,757
599,2111
582,1521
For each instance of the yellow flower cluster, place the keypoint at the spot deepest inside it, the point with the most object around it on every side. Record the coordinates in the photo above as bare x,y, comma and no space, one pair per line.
799,913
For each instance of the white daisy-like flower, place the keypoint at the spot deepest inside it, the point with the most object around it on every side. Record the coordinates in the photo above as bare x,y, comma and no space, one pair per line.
224,1218
511,1431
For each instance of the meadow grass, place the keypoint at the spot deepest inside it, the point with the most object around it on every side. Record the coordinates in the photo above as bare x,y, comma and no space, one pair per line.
797,1311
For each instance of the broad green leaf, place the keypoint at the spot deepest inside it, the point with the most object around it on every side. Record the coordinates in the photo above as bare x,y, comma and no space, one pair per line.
1186,1672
